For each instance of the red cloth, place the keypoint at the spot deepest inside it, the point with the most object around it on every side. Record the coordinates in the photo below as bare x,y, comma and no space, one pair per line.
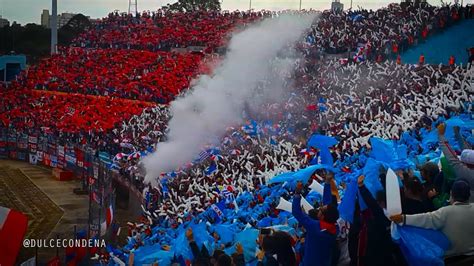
260,198
331,228
424,33
46,109
421,60
395,48
13,226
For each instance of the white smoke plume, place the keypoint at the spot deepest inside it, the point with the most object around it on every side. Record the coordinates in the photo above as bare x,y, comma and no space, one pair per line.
215,103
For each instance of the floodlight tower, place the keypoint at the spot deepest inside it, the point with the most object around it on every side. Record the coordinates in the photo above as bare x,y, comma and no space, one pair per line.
54,27
132,4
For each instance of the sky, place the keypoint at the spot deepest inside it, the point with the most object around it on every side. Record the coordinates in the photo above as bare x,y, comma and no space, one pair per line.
29,11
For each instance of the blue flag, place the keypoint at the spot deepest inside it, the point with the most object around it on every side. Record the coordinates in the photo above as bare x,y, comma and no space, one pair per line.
321,141
422,246
218,210
347,206
382,150
209,170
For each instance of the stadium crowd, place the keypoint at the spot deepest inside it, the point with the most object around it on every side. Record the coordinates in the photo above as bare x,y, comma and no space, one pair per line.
337,109
387,31
99,94
165,29
249,165
137,75
69,113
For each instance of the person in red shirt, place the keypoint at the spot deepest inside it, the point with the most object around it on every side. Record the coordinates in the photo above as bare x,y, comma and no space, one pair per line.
452,60
395,48
424,33
421,60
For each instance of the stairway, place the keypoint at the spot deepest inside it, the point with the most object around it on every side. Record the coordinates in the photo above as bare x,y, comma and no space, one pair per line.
19,193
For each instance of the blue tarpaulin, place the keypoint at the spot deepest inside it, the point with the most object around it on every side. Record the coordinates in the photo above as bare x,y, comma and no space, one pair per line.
281,178
382,150
226,233
321,141
422,246
302,175
371,172
247,239
347,206
152,254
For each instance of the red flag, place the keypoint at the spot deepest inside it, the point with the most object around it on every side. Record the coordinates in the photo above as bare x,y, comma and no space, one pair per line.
313,107
109,215
13,225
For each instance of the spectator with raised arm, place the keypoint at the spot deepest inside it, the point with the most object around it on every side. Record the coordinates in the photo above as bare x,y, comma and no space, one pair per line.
463,167
320,240
375,238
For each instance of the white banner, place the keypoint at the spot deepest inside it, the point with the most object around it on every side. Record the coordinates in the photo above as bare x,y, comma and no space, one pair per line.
61,151
33,158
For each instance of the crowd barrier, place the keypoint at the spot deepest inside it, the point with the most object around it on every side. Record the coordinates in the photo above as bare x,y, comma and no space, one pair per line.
88,165
45,149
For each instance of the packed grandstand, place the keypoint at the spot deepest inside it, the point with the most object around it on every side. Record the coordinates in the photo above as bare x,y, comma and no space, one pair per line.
351,109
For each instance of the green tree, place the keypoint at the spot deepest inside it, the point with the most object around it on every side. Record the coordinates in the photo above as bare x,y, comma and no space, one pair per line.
34,40
195,5
75,26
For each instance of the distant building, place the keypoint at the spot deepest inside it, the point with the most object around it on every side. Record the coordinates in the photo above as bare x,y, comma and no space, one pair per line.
63,18
337,6
45,18
4,22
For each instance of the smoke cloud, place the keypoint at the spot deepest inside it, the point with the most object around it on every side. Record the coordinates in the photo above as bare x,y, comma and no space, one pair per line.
202,115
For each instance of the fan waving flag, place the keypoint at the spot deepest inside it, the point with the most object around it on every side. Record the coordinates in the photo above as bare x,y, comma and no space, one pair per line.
13,225
209,170
323,143
203,156
218,210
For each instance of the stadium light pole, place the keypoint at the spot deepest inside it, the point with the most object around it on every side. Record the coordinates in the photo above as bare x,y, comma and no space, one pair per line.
250,6
54,27
300,5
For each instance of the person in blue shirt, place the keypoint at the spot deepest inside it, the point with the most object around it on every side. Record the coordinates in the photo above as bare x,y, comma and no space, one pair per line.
321,230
